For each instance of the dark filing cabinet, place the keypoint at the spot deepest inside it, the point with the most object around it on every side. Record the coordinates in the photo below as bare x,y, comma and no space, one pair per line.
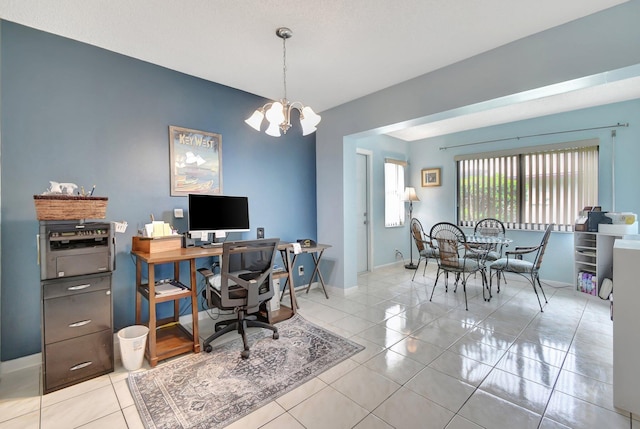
77,260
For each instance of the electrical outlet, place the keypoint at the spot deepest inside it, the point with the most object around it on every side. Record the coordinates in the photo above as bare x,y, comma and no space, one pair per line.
301,270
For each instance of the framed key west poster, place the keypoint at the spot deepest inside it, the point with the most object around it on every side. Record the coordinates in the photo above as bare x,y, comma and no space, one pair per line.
196,161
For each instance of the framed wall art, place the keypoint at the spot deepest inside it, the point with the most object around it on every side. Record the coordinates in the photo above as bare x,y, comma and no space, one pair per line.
431,177
196,161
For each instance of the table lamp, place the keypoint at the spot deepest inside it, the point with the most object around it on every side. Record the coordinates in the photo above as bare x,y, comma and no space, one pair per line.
410,195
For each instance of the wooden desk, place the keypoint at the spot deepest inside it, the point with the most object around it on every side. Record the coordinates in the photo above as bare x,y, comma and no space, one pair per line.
167,337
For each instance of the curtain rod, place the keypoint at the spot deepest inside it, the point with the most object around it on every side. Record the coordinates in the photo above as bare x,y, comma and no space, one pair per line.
626,124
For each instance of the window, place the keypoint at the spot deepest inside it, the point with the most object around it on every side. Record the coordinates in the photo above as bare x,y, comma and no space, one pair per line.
393,192
530,187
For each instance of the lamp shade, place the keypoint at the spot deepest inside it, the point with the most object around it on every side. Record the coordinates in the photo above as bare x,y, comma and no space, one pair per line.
410,194
255,120
308,120
275,116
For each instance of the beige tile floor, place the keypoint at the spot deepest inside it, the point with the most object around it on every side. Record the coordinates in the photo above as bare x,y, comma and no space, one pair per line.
502,364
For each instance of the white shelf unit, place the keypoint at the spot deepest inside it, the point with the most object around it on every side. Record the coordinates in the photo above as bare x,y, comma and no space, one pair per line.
593,254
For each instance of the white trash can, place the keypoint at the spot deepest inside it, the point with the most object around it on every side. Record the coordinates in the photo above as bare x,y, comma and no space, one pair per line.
133,341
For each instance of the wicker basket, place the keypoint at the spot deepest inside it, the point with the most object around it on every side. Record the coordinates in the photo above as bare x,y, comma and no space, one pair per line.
69,207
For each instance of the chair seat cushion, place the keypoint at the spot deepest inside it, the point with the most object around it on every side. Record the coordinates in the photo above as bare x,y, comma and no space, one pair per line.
235,292
491,256
513,265
429,252
464,265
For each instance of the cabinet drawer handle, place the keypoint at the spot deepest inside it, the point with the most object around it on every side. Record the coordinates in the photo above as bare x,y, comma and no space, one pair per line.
79,287
80,366
81,323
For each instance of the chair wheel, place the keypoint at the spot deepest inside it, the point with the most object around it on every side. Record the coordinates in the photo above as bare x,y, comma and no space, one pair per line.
244,354
208,348
276,335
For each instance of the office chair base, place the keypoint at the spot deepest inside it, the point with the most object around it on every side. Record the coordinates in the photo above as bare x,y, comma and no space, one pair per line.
239,325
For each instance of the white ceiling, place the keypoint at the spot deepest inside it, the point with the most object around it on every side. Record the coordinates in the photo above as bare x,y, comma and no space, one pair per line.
341,49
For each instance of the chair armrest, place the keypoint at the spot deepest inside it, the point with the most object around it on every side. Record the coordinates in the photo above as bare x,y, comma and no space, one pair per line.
206,272
479,252
523,250
520,251
427,243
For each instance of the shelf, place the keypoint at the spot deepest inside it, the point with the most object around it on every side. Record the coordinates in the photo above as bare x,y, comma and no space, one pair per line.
171,340
281,314
587,253
144,291
593,254
280,274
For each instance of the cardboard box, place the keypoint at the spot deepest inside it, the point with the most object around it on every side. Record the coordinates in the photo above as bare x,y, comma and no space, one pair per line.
156,244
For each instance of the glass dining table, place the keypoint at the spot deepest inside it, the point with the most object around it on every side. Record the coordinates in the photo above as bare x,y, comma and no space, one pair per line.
486,244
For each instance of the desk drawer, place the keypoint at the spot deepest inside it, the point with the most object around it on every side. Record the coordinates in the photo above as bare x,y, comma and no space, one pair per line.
76,315
77,359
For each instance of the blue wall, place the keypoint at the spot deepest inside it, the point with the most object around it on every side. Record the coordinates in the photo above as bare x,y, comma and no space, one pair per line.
386,240
75,113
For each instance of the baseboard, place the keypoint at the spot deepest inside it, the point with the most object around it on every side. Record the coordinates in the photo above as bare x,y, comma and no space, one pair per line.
20,363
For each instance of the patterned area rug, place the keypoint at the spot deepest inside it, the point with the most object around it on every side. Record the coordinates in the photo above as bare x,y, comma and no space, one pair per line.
212,390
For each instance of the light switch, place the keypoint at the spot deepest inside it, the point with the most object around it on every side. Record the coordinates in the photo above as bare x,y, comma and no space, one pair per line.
177,213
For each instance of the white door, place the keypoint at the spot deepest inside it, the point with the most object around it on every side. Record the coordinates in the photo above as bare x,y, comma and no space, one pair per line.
362,214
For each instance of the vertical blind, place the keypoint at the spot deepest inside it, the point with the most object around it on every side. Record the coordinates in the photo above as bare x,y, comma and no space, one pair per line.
394,192
559,184
528,188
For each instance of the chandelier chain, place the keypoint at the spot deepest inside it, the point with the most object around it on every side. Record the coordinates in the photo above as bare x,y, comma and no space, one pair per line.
278,114
284,65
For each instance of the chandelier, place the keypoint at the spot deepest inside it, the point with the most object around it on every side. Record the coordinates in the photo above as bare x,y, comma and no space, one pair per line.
278,113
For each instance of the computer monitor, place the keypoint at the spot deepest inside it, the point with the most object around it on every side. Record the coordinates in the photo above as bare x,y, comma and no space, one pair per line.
217,214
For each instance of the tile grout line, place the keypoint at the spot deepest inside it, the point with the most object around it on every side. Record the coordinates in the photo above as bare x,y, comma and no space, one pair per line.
553,389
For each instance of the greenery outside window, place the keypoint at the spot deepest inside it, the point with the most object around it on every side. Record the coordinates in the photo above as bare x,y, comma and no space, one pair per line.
529,188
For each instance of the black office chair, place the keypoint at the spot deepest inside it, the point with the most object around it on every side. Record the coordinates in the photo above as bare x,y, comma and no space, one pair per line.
245,283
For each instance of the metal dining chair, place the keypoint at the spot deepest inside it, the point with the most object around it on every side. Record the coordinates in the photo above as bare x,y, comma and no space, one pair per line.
513,262
423,244
453,257
491,227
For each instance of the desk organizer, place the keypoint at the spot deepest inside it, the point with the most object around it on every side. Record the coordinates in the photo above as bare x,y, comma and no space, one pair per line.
157,244
69,207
